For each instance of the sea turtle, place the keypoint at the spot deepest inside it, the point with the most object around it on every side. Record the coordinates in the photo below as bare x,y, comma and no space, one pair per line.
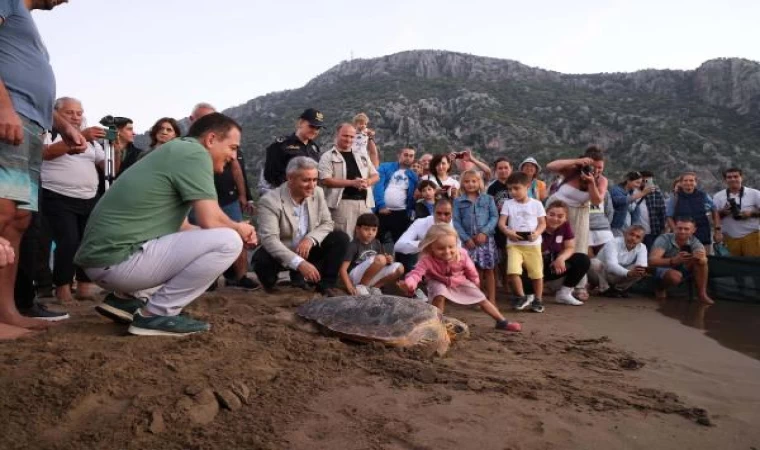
394,321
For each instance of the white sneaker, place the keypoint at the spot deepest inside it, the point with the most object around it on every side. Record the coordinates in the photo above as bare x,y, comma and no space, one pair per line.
566,298
420,295
362,290
375,291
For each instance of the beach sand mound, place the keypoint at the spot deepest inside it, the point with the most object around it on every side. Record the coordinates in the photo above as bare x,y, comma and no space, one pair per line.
262,379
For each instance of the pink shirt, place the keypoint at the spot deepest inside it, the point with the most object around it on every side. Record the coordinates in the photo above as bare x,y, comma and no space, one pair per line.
450,273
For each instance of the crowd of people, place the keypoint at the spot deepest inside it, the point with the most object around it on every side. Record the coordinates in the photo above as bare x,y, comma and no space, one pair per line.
439,228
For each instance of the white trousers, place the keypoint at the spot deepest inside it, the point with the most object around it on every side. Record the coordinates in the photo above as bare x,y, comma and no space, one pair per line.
600,276
357,273
182,265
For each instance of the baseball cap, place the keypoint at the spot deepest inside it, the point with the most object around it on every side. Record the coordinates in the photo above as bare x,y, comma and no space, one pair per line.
314,117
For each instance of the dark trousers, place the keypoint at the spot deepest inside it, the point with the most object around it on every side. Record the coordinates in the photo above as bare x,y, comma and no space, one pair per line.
24,291
394,224
326,257
67,217
577,267
407,260
33,262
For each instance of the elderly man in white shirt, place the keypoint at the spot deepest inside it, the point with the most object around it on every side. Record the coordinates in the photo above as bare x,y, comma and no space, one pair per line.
407,247
69,181
620,264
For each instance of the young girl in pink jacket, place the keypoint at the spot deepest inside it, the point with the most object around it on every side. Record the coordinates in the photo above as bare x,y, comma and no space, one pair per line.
451,275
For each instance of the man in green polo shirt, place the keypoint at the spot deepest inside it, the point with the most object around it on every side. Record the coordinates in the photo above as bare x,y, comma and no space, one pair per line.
138,237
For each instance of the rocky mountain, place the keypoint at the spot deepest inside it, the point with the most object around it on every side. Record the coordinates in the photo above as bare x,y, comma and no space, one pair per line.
667,121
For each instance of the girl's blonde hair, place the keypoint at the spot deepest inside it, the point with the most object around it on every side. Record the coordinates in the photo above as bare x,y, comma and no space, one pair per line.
476,174
436,232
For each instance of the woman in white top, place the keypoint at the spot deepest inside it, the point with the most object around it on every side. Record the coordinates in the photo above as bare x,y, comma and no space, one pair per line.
440,166
582,185
69,191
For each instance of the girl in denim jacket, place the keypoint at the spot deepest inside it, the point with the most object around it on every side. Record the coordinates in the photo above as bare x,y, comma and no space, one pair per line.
475,218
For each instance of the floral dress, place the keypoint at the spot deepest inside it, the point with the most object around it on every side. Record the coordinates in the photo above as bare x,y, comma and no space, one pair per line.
484,256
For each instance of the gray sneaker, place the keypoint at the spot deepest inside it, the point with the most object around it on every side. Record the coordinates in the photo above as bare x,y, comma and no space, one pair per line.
375,291
119,309
521,303
39,311
536,306
166,325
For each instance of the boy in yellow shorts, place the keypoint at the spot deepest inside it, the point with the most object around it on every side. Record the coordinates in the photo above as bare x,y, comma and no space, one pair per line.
522,221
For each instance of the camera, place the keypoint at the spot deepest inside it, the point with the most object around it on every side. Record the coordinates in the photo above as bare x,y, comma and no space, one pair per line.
112,124
736,213
459,155
588,170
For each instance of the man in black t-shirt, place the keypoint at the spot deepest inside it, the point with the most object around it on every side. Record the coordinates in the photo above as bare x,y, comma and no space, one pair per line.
347,178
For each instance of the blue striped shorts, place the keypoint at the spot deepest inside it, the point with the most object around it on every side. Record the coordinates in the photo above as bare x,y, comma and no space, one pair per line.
20,167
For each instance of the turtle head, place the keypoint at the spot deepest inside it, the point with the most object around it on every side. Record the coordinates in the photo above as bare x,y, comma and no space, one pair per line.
456,329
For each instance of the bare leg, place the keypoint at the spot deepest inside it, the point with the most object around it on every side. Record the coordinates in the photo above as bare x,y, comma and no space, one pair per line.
538,288
517,285
85,290
389,278
439,302
240,266
490,284
63,293
13,223
9,332
376,266
700,276
671,278
491,310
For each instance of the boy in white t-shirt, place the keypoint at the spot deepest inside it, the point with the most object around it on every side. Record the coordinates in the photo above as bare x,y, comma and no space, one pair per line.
522,221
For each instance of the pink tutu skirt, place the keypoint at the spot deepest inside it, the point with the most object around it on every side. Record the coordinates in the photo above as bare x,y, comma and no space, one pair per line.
464,294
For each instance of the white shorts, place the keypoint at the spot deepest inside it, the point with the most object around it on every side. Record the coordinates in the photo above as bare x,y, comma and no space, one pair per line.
599,237
357,273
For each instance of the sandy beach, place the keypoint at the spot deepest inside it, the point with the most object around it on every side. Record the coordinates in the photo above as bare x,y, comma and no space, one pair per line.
614,374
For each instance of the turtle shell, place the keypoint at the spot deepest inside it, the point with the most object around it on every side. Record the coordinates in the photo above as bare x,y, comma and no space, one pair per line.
394,321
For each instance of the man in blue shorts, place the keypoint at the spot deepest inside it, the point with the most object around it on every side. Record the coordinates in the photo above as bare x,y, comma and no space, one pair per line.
27,94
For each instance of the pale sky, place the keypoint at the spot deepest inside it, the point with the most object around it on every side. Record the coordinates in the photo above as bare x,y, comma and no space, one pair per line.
146,59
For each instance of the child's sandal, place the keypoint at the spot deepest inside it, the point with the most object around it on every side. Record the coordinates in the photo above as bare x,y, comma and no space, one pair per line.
505,325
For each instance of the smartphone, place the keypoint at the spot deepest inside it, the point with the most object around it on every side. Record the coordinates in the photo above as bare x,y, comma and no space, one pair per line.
524,235
686,248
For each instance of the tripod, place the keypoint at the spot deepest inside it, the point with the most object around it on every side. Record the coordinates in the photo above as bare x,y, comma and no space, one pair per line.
108,163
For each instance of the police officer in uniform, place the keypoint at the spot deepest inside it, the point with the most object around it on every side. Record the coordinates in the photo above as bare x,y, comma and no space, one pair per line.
300,143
